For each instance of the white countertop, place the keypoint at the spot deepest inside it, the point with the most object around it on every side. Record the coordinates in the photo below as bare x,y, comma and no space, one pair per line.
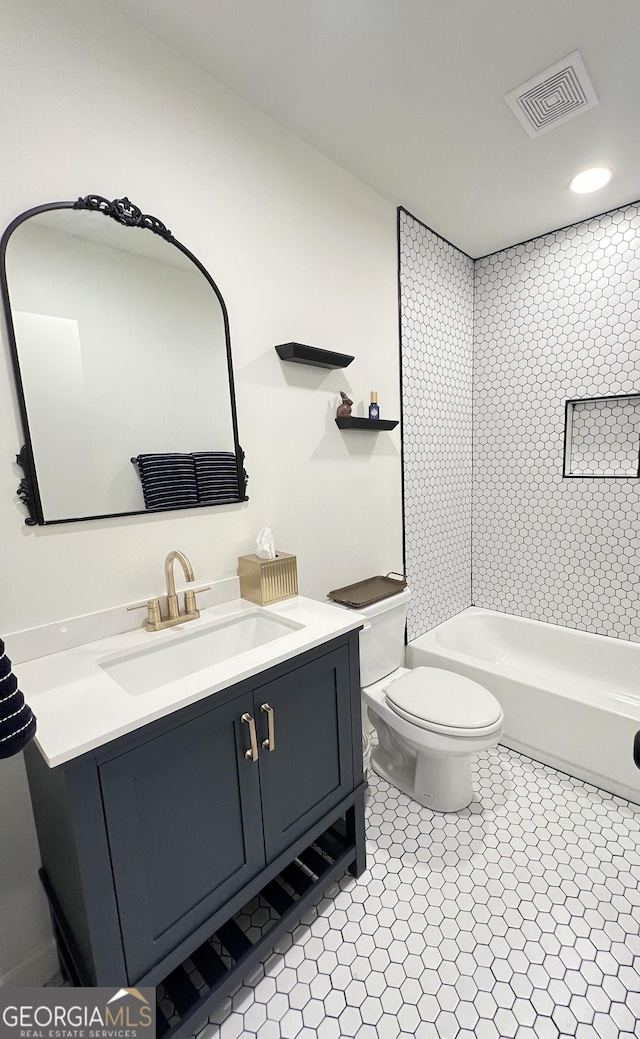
79,707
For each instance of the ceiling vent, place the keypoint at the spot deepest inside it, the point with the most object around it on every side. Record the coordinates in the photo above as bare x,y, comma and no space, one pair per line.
554,96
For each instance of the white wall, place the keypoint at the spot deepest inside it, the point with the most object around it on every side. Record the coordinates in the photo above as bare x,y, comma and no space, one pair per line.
300,250
555,319
436,296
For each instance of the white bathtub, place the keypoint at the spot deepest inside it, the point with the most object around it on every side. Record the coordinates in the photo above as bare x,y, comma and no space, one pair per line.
570,699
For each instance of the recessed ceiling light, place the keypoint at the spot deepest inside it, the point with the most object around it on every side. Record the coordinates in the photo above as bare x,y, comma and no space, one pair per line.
591,180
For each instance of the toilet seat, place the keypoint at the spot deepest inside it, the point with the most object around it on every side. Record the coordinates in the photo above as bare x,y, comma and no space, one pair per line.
445,702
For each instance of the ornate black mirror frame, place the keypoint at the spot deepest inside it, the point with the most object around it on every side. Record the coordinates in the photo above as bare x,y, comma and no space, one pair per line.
126,213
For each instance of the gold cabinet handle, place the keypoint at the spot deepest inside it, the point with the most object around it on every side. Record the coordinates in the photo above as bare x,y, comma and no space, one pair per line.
252,753
270,742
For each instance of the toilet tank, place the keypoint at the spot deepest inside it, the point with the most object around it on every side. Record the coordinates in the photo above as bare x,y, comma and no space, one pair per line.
382,640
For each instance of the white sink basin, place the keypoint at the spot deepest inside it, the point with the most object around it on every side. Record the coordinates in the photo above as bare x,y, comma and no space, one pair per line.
162,662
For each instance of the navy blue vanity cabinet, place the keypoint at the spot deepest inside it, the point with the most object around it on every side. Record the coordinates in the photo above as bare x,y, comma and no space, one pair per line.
311,767
191,819
152,845
184,829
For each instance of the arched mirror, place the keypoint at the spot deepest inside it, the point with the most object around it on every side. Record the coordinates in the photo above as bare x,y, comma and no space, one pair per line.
122,357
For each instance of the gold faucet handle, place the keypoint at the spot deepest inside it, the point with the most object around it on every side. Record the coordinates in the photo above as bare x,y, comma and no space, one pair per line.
190,604
153,612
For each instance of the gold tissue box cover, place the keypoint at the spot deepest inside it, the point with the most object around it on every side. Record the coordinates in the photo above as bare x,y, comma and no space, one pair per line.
265,581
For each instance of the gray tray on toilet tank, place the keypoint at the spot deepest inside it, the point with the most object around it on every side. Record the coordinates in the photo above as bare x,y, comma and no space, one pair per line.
365,593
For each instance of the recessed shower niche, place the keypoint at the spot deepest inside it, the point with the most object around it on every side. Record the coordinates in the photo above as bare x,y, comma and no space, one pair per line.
602,437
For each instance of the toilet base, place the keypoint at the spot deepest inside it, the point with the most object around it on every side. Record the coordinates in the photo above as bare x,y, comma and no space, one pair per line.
438,782
434,768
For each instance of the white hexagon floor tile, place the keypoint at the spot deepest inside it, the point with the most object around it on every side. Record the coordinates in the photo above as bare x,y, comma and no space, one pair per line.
517,918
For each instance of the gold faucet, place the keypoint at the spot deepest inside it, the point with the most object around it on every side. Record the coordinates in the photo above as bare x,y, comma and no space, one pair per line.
173,609
155,620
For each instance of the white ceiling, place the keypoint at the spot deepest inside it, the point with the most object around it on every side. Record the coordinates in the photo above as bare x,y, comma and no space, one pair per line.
407,95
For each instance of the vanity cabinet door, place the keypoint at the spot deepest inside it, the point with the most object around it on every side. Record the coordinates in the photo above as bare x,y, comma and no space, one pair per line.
311,766
184,827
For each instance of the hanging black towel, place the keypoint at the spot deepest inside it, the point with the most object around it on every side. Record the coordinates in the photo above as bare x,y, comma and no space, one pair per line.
17,723
168,480
216,477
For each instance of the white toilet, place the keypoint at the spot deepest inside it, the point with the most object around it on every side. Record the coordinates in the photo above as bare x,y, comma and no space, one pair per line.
429,722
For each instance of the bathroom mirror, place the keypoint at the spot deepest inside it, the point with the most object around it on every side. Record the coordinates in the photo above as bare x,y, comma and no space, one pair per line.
122,358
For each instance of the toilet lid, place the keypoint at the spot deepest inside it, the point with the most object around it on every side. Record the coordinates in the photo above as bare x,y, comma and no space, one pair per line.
443,699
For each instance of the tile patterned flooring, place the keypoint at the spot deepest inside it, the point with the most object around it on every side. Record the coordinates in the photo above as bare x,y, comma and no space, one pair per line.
518,918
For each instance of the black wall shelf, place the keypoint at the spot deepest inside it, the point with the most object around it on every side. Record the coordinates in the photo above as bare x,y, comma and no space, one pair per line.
312,355
374,424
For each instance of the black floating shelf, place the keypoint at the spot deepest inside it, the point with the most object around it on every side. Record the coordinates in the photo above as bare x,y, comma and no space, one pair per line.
312,355
375,424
